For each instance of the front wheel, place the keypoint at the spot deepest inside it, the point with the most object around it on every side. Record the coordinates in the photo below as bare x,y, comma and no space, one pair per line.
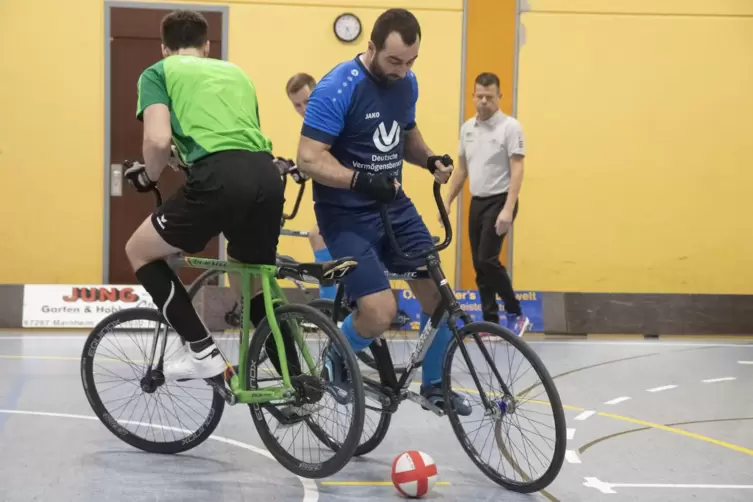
120,372
522,403
316,434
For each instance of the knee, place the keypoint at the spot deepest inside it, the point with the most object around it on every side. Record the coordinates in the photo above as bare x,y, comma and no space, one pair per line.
377,317
489,264
134,253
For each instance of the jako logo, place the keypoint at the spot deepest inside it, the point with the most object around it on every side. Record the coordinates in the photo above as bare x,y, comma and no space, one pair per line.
385,141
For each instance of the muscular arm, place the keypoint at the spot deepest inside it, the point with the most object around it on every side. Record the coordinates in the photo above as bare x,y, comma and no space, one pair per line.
157,136
457,181
416,151
315,160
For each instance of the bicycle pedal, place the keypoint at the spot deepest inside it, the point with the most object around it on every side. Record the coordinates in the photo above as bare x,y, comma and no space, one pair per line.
424,403
218,384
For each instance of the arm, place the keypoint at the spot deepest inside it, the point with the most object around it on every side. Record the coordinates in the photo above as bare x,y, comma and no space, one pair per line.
157,136
315,160
416,151
516,181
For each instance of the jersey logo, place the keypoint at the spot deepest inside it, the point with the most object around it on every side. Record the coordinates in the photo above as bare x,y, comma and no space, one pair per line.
386,141
373,115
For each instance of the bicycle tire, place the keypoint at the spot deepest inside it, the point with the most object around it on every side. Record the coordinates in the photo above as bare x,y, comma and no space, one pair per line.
547,382
344,452
93,341
371,442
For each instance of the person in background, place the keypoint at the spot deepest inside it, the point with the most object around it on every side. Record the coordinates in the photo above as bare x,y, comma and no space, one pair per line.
299,88
491,155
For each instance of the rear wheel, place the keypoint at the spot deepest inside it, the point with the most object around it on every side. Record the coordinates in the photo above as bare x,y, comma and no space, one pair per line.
128,393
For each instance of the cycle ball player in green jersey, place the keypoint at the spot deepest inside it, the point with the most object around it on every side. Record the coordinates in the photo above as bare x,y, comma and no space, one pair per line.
209,109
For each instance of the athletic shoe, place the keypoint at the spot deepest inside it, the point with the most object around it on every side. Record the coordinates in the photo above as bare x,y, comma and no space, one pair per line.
435,395
192,365
518,324
336,373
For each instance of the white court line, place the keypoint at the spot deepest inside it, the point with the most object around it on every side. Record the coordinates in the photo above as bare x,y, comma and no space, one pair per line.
572,457
617,400
713,380
585,415
570,433
310,488
605,487
744,362
659,389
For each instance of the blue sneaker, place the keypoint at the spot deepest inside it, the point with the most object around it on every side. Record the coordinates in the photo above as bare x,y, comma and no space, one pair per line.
518,324
336,373
434,394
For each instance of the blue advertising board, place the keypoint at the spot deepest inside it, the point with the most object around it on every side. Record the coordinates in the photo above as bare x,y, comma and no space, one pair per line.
469,300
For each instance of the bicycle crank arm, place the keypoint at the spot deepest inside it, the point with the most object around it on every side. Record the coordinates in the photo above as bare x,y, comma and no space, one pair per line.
424,403
218,384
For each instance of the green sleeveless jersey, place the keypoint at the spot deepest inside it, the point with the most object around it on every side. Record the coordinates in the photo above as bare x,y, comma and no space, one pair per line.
212,103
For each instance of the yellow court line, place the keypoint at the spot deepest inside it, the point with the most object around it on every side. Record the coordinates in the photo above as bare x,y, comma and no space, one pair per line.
370,483
679,431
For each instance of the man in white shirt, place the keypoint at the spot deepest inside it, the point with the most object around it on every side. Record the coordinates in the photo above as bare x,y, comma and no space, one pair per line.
491,155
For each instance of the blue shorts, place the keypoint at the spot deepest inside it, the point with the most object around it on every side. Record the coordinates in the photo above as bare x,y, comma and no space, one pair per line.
359,233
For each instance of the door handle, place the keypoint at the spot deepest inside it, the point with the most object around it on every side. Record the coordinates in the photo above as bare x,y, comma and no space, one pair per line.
116,180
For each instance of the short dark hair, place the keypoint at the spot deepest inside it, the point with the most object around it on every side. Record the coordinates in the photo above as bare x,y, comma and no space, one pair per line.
486,79
395,20
184,29
299,81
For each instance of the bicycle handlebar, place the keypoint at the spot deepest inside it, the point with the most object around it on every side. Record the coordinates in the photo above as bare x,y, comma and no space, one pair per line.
299,197
421,254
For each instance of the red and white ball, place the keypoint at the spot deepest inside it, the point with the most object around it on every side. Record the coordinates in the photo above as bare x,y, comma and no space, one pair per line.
414,473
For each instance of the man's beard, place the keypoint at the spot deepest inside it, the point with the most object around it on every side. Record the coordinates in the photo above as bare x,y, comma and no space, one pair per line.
381,75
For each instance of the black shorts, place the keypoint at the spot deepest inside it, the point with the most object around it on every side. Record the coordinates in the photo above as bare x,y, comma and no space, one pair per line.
237,193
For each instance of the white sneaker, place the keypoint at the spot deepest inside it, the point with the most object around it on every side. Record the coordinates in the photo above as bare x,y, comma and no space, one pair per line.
195,365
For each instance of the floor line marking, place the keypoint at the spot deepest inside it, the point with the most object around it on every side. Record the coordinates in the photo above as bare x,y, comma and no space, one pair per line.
605,487
585,415
744,362
570,433
617,400
664,387
572,457
678,431
310,488
714,380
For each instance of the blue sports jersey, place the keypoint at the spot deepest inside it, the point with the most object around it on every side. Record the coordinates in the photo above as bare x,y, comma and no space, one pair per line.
364,121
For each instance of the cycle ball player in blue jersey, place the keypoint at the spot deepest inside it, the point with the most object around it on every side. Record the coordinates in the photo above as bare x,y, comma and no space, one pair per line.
359,127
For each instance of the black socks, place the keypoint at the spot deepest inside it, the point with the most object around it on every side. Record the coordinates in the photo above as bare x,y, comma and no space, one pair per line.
173,301
257,313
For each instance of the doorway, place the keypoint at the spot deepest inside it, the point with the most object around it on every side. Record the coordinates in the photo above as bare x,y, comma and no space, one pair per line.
132,38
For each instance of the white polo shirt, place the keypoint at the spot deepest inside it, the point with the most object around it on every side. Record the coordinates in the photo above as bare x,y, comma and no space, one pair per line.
487,146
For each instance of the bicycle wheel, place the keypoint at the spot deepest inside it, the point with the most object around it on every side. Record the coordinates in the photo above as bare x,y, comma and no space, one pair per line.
128,398
506,415
315,435
377,419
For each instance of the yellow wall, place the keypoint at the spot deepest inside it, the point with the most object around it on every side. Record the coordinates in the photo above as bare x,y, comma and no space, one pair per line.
52,138
51,141
639,146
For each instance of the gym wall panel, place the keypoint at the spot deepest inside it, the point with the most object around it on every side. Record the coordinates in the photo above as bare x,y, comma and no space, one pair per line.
639,131
51,141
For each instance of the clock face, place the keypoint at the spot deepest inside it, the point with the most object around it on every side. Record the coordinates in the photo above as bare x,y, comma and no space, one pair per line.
347,27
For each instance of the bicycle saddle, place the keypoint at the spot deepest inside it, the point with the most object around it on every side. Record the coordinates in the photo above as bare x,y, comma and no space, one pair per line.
325,273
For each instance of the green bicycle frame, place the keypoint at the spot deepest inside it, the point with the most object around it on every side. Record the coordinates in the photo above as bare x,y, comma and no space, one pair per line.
273,298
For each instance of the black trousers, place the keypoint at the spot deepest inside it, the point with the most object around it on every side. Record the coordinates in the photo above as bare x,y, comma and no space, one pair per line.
491,275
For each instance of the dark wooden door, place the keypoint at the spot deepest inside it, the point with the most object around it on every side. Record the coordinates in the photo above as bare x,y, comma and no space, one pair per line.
134,46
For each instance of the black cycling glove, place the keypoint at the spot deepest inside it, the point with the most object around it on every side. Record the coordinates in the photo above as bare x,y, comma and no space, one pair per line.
431,163
380,187
287,166
138,177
